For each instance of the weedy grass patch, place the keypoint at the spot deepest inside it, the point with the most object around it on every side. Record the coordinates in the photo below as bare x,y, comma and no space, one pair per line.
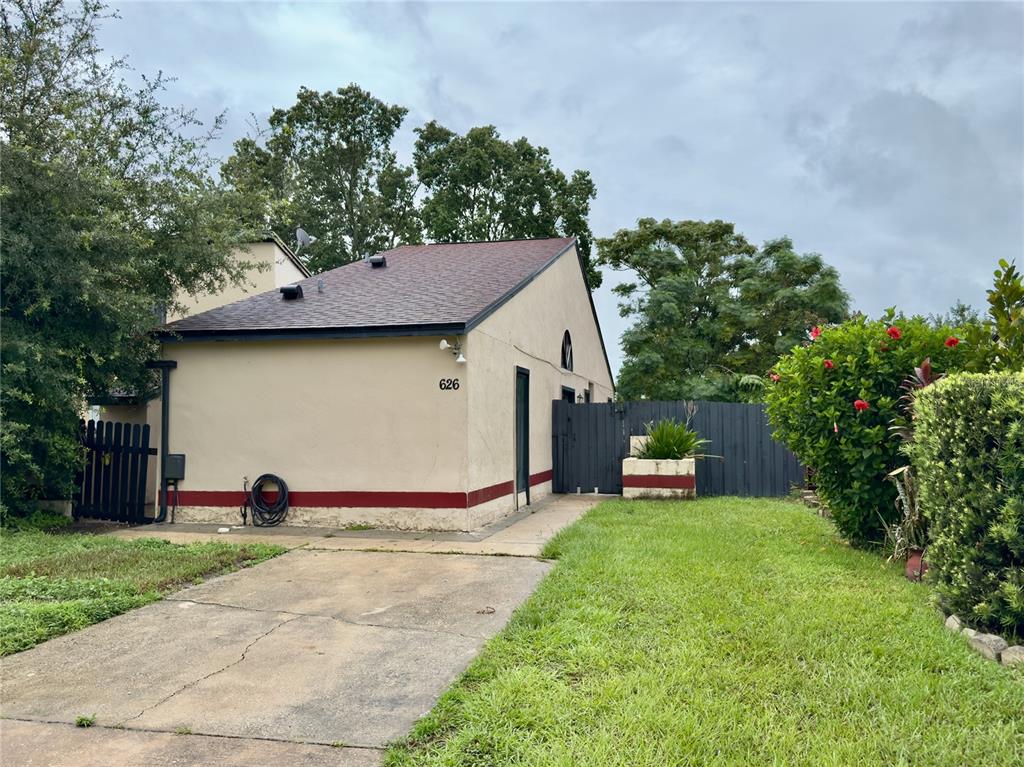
54,583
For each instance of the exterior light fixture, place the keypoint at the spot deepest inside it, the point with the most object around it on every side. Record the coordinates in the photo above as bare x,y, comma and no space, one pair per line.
579,399
455,349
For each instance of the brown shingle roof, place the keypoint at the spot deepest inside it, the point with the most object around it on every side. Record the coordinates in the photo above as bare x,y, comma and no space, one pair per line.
442,287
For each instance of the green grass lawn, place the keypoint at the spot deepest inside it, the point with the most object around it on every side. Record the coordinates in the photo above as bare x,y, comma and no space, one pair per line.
53,583
722,631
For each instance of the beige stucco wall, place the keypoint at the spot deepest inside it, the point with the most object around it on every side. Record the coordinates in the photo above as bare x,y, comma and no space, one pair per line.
285,271
332,415
277,270
123,413
527,332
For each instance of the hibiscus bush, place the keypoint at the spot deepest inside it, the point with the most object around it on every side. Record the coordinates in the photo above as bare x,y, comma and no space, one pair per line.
968,454
834,400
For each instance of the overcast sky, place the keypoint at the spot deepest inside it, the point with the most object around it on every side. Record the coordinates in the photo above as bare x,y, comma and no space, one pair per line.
887,137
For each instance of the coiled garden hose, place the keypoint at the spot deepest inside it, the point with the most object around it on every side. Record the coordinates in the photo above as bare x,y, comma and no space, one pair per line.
266,513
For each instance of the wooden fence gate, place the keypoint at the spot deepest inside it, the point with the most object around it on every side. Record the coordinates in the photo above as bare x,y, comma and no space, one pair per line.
590,440
113,480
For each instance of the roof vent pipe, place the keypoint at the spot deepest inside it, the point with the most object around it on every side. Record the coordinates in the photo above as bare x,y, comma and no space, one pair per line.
378,261
291,292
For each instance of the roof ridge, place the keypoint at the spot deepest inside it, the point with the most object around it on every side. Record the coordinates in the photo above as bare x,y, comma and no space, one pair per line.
480,242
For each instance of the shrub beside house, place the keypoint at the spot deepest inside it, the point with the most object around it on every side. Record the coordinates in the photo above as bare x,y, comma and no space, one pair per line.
968,455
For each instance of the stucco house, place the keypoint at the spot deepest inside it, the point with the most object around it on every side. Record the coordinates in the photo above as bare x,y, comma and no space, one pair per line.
411,390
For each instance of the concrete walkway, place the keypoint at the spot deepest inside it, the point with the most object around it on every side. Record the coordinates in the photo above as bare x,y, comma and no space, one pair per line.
322,655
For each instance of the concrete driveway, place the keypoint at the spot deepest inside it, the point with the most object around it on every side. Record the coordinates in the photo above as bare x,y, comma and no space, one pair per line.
322,655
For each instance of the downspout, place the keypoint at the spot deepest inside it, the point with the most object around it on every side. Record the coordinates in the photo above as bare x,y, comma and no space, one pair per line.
165,367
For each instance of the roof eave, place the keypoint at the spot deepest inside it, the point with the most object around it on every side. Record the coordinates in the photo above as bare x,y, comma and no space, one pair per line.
597,322
305,334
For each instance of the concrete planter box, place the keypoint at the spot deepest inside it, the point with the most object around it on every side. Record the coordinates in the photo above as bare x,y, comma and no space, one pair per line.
57,507
654,478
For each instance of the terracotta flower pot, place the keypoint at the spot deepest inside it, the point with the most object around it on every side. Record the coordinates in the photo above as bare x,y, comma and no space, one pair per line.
916,566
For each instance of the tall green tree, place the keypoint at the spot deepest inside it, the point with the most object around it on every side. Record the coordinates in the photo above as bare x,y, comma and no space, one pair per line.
326,164
109,212
481,187
781,293
711,311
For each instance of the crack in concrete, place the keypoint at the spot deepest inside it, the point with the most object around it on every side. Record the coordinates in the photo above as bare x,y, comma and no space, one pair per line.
267,738
194,682
445,553
338,618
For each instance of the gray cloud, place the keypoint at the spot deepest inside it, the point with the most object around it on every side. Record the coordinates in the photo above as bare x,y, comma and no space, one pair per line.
887,137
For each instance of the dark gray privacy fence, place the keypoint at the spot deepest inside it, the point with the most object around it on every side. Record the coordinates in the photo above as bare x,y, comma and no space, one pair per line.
590,440
112,478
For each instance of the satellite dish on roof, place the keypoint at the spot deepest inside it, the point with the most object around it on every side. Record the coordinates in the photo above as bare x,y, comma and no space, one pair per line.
303,238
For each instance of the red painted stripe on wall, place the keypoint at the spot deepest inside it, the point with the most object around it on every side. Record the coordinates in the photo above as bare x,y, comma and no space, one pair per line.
684,481
378,499
366,499
485,494
541,476
332,498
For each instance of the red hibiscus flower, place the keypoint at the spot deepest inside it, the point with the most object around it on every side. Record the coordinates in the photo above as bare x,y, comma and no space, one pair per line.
860,405
894,333
829,364
952,341
774,376
815,332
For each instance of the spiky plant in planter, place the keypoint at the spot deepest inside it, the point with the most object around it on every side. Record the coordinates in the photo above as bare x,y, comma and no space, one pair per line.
669,439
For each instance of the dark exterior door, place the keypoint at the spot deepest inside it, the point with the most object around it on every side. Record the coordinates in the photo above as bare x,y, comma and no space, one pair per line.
523,432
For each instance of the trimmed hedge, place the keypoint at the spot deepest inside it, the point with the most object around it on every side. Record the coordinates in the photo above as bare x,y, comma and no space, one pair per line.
968,454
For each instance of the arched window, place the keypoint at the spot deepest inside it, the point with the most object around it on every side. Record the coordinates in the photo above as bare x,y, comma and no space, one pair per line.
567,351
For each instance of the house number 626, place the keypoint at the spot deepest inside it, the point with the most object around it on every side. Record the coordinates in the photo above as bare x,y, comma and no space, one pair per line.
448,384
